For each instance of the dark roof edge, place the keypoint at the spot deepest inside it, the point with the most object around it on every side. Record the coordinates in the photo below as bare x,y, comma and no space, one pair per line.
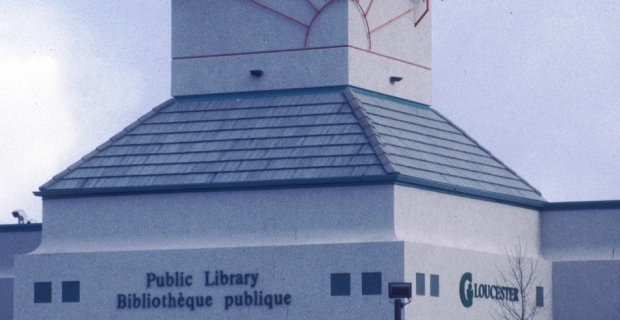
299,183
388,97
27,227
277,184
470,193
582,205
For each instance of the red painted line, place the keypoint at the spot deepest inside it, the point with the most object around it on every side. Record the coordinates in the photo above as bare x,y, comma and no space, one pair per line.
313,19
428,3
256,52
302,49
391,58
312,5
359,7
369,6
394,19
280,13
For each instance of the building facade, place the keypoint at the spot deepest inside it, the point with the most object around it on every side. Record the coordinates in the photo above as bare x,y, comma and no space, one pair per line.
580,239
297,170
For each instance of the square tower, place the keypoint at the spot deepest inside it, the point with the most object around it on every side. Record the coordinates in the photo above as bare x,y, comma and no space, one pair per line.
375,45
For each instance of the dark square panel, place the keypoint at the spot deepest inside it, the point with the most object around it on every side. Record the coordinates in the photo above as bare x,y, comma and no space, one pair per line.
420,286
341,284
70,291
371,283
42,292
434,285
540,296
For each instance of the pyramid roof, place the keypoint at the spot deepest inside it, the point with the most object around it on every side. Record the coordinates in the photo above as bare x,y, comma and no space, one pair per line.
337,135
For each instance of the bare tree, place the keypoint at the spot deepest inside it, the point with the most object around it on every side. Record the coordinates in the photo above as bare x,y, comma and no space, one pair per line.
521,274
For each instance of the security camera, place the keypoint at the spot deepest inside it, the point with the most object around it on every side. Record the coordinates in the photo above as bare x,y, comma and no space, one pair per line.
20,215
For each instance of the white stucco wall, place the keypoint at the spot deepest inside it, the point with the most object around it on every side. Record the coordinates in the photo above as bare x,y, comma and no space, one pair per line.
581,234
303,272
441,219
219,219
587,290
286,216
584,245
449,235
450,264
6,298
295,238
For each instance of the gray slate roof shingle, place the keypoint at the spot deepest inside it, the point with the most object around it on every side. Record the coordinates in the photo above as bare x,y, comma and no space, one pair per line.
329,134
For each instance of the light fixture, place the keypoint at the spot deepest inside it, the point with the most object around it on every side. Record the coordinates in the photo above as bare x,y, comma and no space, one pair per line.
399,291
395,79
20,215
256,73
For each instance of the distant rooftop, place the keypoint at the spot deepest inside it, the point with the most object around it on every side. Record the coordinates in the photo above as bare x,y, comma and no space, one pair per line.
26,227
295,137
582,205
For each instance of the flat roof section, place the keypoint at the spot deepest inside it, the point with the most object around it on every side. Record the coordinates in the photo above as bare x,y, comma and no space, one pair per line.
582,205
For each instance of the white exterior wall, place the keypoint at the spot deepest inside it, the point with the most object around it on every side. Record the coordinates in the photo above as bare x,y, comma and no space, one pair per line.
581,235
293,238
584,246
303,272
588,290
450,265
216,43
6,298
219,219
448,235
440,219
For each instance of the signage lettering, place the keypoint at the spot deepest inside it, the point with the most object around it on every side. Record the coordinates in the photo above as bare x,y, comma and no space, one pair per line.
257,299
221,279
146,301
212,280
178,279
468,290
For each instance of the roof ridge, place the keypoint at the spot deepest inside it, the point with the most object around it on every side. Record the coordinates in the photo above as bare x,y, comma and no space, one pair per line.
488,152
104,145
472,179
368,128
464,190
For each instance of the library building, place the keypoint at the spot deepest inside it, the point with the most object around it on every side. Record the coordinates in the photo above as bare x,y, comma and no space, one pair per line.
299,171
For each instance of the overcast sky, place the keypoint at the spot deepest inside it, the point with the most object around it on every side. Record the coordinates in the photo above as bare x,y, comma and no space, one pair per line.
537,83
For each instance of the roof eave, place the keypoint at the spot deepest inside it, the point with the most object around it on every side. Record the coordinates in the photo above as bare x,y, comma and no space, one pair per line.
285,183
323,182
471,193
